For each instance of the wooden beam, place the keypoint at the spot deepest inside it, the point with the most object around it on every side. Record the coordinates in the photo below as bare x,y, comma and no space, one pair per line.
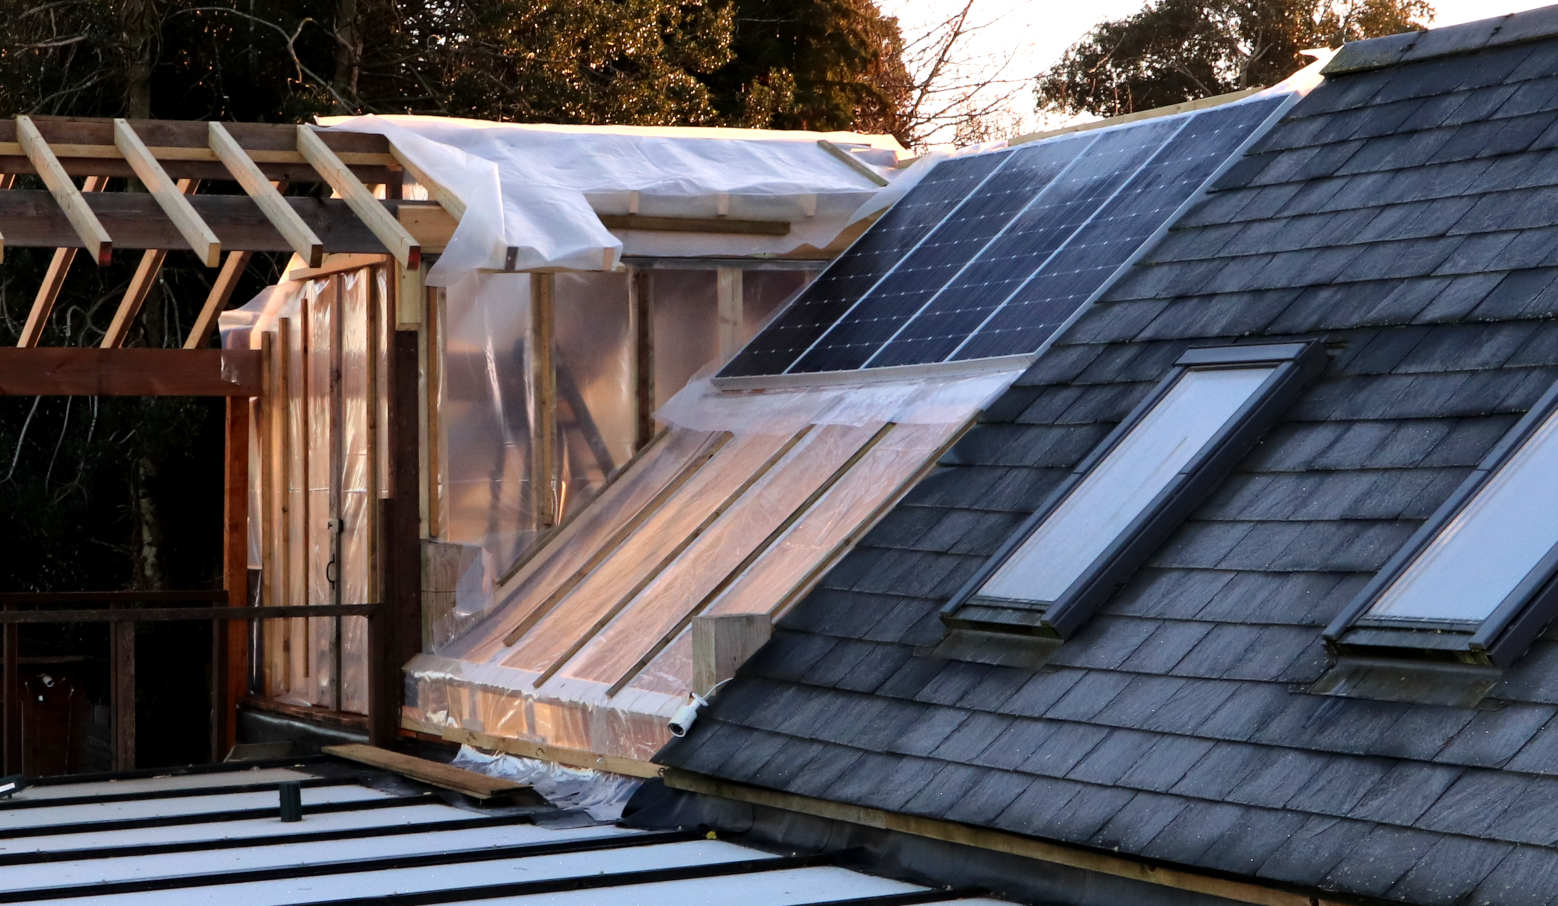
851,161
140,285
232,640
725,225
216,300
88,228
729,313
543,377
721,643
169,197
436,190
641,315
378,219
393,632
304,242
34,220
434,773
53,281
54,371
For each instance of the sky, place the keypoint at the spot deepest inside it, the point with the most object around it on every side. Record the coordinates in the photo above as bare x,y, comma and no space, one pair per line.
1027,36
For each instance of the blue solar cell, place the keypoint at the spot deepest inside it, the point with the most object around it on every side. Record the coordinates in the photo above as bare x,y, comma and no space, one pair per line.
853,273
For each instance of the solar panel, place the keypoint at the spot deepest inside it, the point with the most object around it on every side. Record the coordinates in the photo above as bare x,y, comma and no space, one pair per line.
1031,240
949,248
990,254
852,274
1112,238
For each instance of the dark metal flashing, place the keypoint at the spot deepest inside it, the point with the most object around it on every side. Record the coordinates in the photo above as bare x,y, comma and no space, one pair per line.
1513,625
1296,364
587,882
237,814
1400,680
190,846
350,866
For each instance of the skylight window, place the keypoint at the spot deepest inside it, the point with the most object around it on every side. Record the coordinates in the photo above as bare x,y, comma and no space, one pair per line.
1473,581
1124,499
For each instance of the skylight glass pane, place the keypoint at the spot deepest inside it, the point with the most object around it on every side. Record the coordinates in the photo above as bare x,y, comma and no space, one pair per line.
1506,528
1120,487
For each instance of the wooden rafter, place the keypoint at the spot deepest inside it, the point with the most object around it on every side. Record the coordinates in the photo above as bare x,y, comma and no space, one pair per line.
88,228
140,284
370,210
216,300
305,243
169,197
53,281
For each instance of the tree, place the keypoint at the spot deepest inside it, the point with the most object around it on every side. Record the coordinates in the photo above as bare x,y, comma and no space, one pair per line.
1180,50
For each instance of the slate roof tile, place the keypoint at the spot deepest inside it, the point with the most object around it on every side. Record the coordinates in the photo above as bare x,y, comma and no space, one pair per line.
1378,860
1032,812
981,802
1530,818
1338,792
1523,877
1046,748
1405,791
1114,754
952,786
1140,819
1251,840
1165,647
1042,690
1472,803
1198,828
1493,737
1450,870
1280,774
1316,846
1166,763
971,737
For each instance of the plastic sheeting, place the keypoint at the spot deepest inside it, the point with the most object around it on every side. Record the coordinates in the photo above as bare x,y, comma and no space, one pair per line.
590,646
603,796
537,188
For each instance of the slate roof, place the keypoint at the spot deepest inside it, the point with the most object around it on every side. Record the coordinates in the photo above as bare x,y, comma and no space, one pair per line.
1406,212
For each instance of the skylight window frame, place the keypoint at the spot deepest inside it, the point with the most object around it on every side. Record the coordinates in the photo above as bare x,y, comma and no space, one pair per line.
1293,366
1495,640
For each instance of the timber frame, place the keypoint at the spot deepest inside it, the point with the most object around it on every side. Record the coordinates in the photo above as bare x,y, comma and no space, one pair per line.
165,165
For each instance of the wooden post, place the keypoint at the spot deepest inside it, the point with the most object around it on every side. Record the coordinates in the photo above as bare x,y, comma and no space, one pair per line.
543,374
9,640
641,317
121,664
730,315
230,669
721,643
394,631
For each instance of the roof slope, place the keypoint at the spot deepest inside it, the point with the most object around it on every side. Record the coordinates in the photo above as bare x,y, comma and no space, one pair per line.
1409,216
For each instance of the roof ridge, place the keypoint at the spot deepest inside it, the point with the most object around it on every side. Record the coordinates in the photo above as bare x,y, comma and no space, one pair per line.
1466,37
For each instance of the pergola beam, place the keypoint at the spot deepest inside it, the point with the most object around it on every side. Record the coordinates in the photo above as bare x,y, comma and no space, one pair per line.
305,243
34,221
368,209
88,228
168,196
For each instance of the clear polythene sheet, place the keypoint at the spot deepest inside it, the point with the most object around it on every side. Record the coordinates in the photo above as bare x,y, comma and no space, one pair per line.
671,596
536,188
